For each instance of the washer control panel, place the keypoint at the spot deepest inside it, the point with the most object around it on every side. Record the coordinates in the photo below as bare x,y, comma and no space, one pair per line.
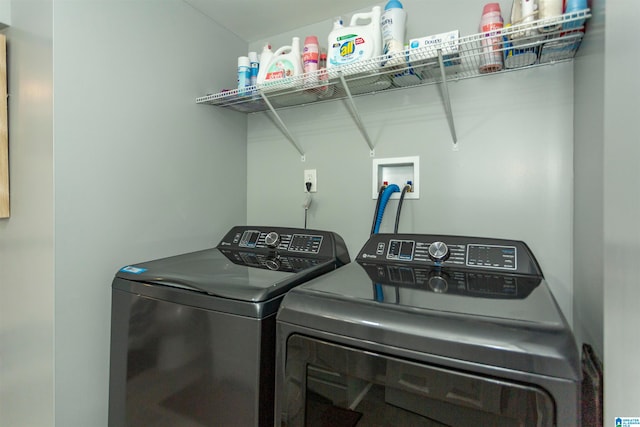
508,256
308,243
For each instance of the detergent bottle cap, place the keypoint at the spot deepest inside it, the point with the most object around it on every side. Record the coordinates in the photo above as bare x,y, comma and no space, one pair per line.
491,7
338,23
393,4
311,40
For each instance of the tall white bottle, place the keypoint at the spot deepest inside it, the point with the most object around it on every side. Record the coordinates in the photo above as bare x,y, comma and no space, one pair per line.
524,12
393,27
549,9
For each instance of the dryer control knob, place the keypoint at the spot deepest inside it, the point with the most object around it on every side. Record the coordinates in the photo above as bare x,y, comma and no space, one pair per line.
438,251
272,239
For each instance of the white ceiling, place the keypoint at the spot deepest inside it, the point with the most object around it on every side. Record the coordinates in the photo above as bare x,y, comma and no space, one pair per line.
254,20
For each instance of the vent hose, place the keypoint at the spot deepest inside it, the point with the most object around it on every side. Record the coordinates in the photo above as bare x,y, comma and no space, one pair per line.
386,195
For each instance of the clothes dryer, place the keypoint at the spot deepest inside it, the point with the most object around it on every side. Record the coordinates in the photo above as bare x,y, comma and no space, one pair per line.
428,330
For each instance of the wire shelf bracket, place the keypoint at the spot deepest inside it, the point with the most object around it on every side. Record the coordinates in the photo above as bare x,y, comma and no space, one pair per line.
447,100
283,127
356,115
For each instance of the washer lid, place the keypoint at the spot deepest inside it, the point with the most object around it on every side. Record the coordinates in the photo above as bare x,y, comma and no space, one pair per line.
240,275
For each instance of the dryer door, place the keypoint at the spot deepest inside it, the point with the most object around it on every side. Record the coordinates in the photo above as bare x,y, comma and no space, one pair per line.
330,384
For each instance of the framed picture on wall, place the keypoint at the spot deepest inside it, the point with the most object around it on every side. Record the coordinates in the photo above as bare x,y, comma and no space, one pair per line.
4,132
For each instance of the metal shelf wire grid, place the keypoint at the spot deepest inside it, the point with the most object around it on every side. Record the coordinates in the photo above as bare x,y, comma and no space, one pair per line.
537,43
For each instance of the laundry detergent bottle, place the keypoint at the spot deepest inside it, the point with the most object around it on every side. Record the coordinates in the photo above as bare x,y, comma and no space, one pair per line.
356,42
286,62
265,60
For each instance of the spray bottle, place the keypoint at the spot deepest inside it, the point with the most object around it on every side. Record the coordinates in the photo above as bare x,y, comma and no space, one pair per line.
244,75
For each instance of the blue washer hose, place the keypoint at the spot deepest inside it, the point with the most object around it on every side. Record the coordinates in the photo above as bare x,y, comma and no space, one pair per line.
386,195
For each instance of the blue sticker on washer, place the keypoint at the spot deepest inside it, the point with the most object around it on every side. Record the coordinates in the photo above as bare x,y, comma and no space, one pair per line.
133,270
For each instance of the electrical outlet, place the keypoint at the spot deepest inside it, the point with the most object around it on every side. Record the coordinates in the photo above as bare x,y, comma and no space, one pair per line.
310,176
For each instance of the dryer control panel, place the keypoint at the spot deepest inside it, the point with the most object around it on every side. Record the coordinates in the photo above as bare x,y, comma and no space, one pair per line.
285,240
497,255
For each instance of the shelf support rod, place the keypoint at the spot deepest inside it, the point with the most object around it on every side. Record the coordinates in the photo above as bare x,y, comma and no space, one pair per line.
356,116
447,101
282,126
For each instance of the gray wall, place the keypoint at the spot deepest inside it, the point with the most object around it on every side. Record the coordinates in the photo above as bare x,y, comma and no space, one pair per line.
621,247
141,170
607,202
26,239
133,171
512,176
589,181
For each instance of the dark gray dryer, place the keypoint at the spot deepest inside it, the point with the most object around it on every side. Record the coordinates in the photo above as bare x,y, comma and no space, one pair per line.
428,330
193,335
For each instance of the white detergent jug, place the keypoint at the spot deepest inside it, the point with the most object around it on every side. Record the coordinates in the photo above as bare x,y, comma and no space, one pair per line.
286,62
265,60
356,42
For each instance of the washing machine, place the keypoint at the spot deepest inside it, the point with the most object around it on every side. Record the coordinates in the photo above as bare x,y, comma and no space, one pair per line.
428,330
193,335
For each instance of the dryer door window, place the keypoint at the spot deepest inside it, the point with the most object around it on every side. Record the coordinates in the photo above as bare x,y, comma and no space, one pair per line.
329,384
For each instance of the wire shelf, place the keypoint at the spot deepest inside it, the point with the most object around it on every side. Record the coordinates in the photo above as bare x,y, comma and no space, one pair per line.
537,43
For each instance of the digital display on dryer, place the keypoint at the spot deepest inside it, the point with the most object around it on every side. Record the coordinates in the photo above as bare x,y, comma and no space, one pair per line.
492,256
401,250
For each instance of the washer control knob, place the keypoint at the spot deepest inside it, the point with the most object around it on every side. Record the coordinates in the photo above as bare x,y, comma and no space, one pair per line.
272,239
273,263
438,251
